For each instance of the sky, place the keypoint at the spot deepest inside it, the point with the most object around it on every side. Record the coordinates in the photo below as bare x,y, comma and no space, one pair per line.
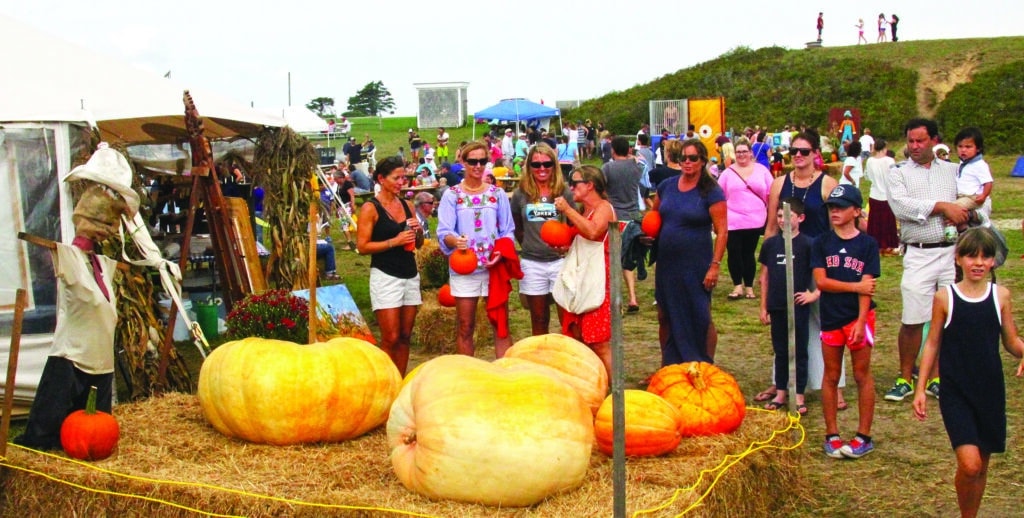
269,54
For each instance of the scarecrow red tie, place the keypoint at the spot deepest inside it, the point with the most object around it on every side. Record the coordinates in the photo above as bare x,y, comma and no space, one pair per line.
97,271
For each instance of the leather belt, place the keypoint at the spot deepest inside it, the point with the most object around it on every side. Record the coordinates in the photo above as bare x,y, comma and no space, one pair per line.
942,244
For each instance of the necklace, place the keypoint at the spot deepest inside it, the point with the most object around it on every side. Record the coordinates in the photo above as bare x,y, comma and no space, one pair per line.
792,188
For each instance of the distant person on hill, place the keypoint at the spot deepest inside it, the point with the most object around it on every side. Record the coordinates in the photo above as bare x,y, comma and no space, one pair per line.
821,25
892,24
860,32
881,28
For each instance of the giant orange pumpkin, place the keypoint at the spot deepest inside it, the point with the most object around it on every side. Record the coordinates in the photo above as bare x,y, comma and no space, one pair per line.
445,297
652,424
467,430
580,367
651,224
276,392
463,262
708,398
89,434
555,233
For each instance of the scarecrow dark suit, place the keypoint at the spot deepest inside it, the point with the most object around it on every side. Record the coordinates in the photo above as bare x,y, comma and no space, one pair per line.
82,354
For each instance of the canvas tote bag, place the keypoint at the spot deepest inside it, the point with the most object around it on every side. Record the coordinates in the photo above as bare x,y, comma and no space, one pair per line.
580,285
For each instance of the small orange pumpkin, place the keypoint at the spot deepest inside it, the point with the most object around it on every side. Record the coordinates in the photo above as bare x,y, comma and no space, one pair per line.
89,434
445,297
651,224
708,398
463,262
652,424
555,233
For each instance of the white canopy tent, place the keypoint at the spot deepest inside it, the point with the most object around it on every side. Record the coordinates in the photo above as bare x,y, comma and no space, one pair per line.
50,90
47,79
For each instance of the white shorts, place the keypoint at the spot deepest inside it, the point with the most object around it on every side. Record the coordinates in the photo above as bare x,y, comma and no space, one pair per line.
539,277
924,271
472,285
388,292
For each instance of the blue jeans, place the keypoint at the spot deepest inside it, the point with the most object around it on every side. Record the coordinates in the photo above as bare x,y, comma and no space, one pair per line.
326,252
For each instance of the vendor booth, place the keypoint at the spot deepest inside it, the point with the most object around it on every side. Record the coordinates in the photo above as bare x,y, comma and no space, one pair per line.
517,110
51,92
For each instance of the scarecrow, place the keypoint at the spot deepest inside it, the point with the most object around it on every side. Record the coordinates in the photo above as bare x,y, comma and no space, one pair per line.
82,354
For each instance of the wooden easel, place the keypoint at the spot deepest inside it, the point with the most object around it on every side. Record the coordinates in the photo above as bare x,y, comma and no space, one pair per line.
20,302
235,268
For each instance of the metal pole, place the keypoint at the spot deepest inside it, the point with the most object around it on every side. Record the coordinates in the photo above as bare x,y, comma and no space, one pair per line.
616,375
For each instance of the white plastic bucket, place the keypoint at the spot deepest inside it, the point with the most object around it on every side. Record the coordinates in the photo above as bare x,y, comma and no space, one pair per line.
180,330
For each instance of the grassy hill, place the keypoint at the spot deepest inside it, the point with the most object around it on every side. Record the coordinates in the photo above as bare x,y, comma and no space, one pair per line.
888,82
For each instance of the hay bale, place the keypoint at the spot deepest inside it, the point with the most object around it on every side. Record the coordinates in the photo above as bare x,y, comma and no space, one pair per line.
185,462
434,331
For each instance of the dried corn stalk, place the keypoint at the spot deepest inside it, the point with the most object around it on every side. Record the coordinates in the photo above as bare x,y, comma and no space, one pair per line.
283,165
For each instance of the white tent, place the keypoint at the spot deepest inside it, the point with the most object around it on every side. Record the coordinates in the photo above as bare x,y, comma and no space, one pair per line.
50,90
46,79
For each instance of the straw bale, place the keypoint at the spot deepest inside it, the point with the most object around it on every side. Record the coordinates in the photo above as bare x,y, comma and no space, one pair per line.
166,440
435,328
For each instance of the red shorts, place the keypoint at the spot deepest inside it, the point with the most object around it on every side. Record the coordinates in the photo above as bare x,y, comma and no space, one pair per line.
841,337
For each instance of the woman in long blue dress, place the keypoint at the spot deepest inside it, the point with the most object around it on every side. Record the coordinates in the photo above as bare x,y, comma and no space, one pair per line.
691,205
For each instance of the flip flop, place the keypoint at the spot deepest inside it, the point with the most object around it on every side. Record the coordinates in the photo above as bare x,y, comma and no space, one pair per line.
765,395
750,296
775,405
801,409
738,296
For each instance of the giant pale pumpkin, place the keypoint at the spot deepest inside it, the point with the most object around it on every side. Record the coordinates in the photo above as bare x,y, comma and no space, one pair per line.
652,424
581,366
467,430
275,392
708,398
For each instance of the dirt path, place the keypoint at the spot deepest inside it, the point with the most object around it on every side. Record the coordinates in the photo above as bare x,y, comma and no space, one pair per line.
935,83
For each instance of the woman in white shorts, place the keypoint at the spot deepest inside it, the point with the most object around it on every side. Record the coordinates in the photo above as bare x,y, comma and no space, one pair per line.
475,215
389,233
533,203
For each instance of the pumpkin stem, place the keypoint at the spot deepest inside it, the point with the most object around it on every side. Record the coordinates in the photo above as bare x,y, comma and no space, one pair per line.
90,403
410,439
696,379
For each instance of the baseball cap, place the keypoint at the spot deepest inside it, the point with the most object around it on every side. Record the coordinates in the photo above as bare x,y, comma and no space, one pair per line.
845,196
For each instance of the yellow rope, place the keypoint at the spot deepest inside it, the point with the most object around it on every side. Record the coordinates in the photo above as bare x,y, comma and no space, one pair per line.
5,462
718,471
729,461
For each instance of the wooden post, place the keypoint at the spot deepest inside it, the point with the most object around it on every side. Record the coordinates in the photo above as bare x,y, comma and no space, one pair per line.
312,275
20,301
616,375
787,240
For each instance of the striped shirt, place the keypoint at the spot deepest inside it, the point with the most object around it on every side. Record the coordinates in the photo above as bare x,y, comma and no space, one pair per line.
913,191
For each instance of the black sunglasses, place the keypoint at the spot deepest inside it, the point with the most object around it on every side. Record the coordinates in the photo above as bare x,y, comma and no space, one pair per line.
574,182
805,151
542,165
476,161
691,158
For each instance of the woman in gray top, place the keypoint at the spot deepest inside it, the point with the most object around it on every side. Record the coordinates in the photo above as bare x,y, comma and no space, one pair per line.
533,203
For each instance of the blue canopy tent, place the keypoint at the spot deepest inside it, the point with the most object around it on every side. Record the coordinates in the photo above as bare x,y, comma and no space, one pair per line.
516,110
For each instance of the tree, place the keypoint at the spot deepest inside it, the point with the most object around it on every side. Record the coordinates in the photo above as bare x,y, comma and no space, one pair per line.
373,99
322,106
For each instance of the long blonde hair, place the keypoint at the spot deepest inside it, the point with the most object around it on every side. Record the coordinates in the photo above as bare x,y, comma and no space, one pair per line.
528,184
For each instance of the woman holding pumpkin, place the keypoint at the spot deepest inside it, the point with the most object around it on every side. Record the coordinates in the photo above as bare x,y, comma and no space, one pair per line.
593,328
691,206
390,233
476,216
533,203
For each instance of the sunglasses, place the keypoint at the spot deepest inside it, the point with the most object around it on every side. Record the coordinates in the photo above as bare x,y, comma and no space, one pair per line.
804,151
574,182
426,203
476,161
542,165
691,158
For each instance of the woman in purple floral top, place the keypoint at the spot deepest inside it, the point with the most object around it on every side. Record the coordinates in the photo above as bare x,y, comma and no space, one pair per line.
473,215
